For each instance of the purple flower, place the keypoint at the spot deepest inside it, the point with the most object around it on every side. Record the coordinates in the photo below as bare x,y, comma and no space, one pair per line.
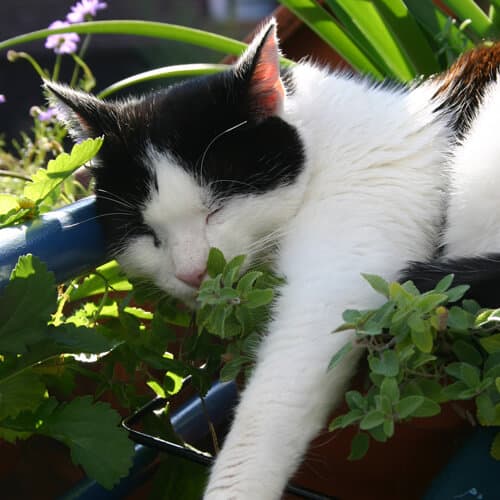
83,9
48,114
2,99
64,43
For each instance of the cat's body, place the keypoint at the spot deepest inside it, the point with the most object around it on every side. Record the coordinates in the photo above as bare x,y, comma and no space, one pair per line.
338,175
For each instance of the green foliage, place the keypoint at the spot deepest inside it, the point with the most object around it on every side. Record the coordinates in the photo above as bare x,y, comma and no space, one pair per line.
398,39
423,350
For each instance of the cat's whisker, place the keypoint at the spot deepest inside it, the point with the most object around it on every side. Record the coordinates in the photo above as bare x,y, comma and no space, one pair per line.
212,142
99,216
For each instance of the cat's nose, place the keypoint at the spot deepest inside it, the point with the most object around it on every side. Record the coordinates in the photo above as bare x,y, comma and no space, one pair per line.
192,278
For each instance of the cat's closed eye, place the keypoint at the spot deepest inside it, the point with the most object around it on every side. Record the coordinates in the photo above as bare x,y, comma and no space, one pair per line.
150,232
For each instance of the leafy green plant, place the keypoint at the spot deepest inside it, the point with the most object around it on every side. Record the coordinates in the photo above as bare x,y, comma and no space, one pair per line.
424,350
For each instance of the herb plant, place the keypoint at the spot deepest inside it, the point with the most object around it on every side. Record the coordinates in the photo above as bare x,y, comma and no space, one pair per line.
424,350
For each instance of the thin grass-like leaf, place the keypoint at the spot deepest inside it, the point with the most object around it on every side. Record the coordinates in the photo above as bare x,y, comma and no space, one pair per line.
138,28
179,70
481,25
408,36
325,26
366,16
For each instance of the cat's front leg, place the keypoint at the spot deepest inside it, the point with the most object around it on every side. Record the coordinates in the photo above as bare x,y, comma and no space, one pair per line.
286,402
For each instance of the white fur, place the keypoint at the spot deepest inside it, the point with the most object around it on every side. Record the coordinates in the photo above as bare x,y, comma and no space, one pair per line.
474,204
369,200
372,202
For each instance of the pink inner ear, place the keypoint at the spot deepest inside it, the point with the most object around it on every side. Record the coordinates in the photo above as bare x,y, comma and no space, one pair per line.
266,89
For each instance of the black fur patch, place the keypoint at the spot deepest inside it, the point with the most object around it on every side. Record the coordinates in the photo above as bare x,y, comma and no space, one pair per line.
481,273
206,125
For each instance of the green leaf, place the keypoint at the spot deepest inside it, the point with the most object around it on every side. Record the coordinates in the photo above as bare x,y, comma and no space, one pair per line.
346,420
46,180
495,447
422,339
107,276
485,409
359,446
455,391
387,364
428,302
92,432
390,389
231,369
466,352
356,401
372,419
325,26
406,407
258,298
456,293
491,344
232,270
388,427
444,283
481,25
173,71
22,392
428,408
215,263
377,283
27,303
247,281
339,355
73,339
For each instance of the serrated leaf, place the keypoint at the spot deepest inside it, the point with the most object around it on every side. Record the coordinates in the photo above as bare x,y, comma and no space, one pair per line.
46,180
470,375
359,446
339,355
22,392
92,432
215,263
406,407
258,298
27,303
372,419
75,340
377,283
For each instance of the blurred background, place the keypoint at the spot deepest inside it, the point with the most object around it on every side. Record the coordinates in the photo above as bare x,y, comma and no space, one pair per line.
112,57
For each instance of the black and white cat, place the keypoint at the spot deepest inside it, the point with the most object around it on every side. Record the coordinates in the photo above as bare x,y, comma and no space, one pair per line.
336,174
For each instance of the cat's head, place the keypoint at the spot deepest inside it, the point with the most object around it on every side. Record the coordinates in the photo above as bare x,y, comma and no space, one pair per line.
208,162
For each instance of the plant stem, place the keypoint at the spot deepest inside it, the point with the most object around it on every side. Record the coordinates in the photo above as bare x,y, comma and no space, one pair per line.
211,427
57,68
16,175
81,54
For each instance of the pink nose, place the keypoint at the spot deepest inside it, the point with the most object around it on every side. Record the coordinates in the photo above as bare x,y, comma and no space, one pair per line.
192,278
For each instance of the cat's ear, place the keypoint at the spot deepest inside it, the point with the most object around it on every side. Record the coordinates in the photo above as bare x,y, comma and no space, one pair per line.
259,67
84,114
